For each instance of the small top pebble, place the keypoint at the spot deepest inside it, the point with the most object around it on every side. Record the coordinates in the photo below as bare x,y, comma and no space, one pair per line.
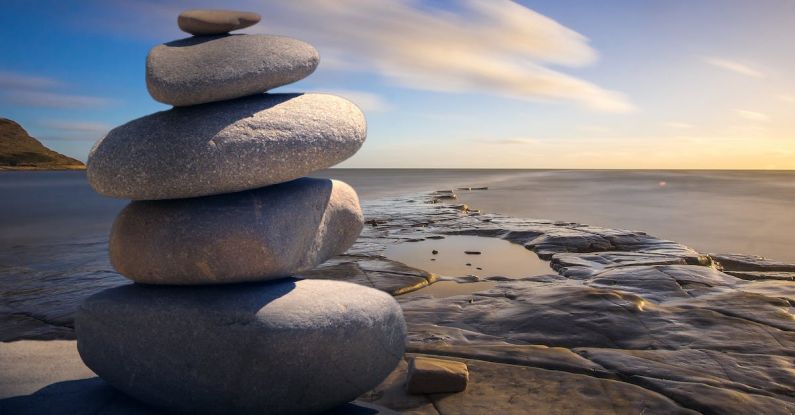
200,22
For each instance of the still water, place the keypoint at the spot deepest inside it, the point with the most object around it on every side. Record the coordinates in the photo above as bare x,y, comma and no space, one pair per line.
712,211
487,257
467,256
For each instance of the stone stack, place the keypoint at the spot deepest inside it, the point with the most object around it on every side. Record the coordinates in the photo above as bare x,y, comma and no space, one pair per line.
221,218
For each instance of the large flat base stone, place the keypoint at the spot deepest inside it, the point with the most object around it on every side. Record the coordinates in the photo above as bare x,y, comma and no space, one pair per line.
48,378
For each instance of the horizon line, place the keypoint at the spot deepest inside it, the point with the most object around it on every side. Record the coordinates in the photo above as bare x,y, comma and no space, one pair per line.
553,169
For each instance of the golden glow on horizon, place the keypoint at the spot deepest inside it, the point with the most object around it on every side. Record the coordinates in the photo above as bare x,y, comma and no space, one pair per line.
475,83
774,151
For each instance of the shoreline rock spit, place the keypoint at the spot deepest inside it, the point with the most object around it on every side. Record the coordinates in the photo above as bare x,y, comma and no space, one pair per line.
221,218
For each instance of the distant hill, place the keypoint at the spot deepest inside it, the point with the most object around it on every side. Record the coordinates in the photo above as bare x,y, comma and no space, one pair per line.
20,151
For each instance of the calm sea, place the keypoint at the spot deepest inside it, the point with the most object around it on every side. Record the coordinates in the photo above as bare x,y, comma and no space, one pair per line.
712,211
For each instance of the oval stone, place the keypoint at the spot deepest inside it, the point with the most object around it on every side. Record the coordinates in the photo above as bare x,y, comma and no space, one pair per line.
287,346
261,234
215,22
226,146
205,69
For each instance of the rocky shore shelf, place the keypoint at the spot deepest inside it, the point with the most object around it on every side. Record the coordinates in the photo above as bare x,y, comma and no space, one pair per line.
626,322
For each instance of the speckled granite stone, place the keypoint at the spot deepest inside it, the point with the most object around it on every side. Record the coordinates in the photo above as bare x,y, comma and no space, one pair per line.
289,346
262,234
205,69
225,147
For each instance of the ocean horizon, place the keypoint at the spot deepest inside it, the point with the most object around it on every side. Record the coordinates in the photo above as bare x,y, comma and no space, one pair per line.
717,211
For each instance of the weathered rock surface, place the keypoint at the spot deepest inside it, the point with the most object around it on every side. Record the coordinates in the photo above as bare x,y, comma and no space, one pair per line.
31,365
752,267
428,375
225,147
573,315
206,69
379,273
739,262
289,346
763,275
586,265
743,375
513,389
267,233
635,313
215,22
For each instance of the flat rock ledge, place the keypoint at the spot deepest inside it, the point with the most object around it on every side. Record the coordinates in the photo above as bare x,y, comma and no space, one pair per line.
623,323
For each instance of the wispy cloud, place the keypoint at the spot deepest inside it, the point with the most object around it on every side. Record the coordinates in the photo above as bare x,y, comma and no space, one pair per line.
38,91
493,47
17,80
787,98
439,116
63,130
367,101
509,141
752,115
70,137
679,125
733,66
56,100
76,126
598,129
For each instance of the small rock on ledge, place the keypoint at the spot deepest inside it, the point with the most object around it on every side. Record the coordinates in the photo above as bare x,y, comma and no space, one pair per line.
428,375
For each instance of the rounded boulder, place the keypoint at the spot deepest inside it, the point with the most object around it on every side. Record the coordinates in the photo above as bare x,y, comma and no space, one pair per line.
204,69
282,347
225,146
257,235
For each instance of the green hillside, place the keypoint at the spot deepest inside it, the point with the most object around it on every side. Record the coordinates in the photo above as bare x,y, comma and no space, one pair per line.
20,151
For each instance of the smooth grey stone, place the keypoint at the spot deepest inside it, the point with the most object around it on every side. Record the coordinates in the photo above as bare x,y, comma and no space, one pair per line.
262,234
215,22
225,147
205,69
287,346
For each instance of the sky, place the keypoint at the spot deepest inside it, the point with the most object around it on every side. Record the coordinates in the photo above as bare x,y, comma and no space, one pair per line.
613,84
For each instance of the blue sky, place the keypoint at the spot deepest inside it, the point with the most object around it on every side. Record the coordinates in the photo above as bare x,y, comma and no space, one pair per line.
472,83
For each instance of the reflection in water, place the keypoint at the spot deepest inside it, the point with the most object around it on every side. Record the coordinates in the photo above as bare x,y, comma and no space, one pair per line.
497,257
448,257
443,289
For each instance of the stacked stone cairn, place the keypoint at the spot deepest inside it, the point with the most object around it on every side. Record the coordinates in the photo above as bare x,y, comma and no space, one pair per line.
221,218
